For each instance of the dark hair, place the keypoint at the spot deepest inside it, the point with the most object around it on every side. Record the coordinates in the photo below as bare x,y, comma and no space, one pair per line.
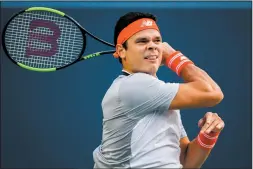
125,20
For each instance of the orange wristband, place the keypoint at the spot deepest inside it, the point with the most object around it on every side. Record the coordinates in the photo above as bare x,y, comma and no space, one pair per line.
207,141
177,61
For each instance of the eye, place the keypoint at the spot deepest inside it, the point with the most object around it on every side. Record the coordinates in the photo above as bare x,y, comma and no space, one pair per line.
158,40
142,41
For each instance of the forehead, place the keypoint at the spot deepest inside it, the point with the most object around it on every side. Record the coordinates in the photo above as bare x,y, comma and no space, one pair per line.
147,33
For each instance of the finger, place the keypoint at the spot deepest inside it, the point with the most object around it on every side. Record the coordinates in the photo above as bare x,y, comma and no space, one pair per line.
166,45
213,126
167,48
220,126
201,122
208,121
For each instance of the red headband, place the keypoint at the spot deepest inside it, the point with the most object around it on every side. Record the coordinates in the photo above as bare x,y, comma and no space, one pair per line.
133,28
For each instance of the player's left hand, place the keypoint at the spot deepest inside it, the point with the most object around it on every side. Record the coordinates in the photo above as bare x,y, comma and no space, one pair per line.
211,122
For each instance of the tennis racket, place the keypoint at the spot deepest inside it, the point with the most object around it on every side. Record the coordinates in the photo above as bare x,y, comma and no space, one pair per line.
44,40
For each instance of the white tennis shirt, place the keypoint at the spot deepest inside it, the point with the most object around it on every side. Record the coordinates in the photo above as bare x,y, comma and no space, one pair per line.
138,129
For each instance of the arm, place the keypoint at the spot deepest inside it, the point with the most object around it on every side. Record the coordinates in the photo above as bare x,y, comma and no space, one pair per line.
193,155
199,89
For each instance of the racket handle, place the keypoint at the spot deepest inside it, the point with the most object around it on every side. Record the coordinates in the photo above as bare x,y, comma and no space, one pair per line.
96,54
90,56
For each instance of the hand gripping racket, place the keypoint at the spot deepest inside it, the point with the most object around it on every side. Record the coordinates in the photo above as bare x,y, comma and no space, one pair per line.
44,39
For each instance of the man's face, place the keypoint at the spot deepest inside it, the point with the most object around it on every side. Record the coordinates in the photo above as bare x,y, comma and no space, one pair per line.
144,52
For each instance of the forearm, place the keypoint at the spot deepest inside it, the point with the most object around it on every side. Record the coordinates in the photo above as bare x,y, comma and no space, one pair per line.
192,73
199,149
195,155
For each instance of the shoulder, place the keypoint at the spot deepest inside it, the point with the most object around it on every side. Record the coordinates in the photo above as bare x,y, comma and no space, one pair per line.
140,79
139,84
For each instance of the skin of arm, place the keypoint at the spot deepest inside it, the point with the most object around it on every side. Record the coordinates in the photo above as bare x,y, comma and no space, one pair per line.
192,154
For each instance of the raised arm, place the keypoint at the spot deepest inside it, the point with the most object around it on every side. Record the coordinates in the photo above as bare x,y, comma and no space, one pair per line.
199,89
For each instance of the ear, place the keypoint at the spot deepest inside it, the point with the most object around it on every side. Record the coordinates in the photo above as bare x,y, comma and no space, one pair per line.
121,51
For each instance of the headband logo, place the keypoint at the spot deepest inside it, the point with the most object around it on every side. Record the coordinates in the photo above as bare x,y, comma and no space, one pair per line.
146,23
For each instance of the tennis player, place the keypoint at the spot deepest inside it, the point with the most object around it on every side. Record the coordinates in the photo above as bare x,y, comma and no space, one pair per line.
142,126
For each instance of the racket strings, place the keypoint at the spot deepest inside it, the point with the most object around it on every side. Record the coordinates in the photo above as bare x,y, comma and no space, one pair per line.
20,39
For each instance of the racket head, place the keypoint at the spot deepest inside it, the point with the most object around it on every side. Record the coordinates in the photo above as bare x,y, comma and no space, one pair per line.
43,39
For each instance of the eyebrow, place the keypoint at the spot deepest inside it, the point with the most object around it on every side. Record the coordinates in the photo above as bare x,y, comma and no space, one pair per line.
141,39
146,39
158,37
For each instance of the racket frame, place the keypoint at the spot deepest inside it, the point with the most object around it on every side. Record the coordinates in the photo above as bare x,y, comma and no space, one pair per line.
82,29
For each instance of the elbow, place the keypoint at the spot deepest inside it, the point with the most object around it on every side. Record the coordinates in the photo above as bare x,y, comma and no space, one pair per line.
213,95
220,96
215,98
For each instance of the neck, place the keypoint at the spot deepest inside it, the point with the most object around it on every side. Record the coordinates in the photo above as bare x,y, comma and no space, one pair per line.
127,71
131,72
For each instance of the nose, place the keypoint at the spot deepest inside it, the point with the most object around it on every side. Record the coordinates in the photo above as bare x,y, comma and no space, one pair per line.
151,46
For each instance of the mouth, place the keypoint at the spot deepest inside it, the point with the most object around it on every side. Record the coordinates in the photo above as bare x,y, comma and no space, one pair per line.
151,57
